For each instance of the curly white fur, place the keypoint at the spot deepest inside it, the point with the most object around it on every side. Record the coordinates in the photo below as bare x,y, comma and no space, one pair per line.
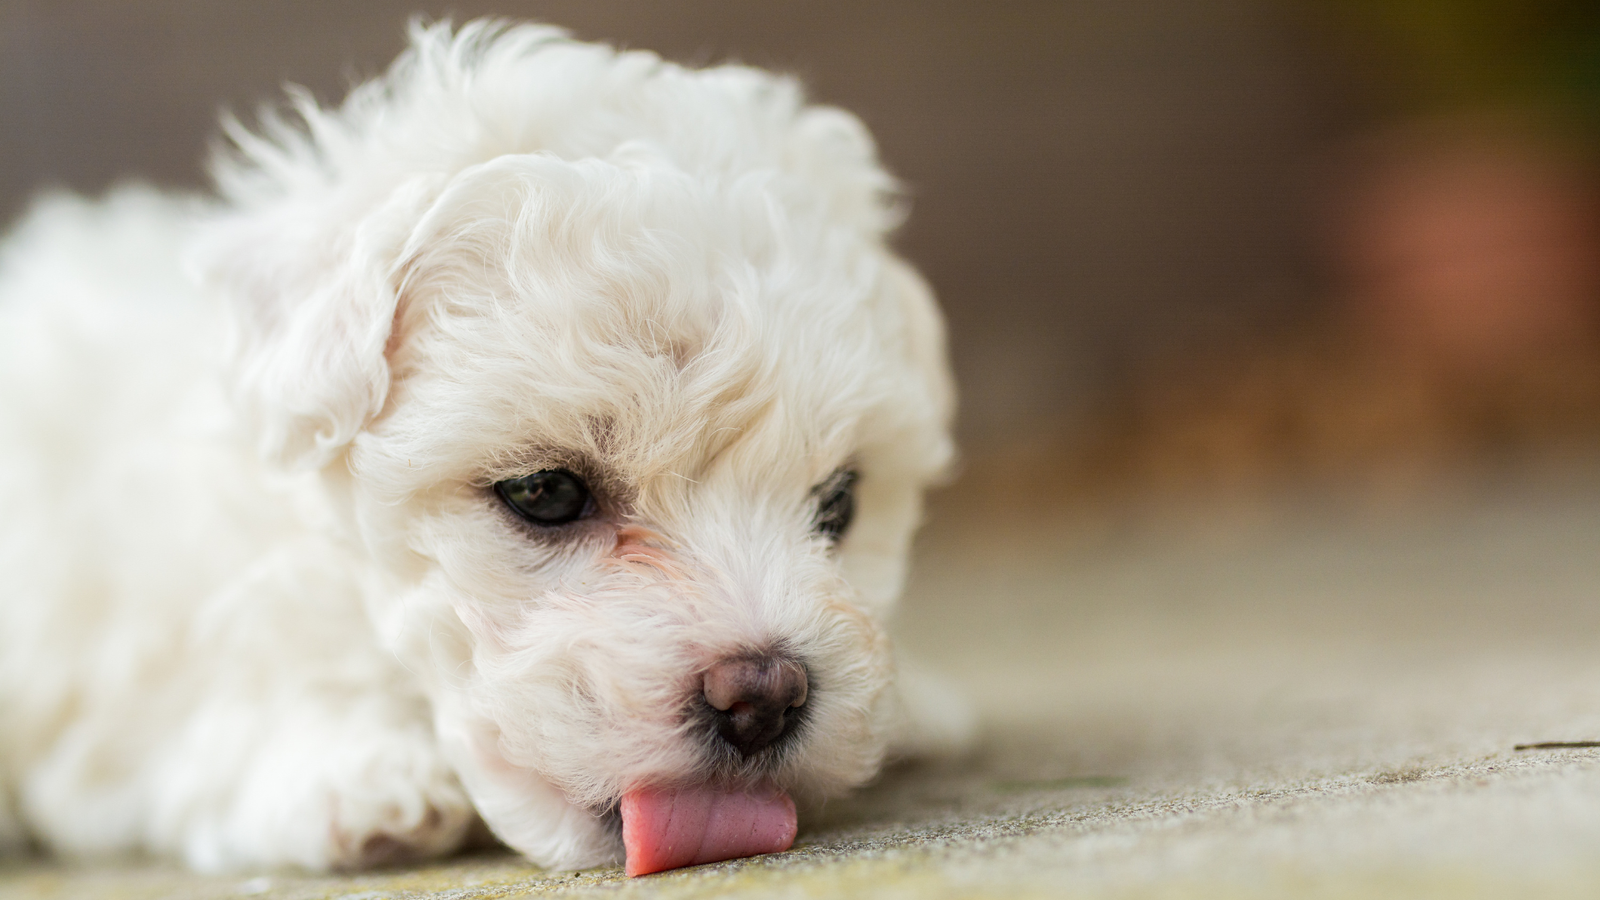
258,604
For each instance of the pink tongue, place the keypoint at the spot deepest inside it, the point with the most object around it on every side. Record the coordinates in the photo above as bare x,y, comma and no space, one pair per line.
665,829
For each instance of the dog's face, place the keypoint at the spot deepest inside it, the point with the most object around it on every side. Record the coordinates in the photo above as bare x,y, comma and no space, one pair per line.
647,461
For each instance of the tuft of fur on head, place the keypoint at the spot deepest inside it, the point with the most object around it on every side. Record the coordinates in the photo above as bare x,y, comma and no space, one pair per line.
326,198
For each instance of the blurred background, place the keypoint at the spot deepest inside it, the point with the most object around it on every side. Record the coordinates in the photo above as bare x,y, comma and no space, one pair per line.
1183,246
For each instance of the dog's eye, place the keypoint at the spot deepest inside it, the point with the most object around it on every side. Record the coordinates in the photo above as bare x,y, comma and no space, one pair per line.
553,497
836,503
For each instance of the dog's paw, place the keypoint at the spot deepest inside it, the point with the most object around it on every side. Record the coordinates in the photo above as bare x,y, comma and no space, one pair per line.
402,805
932,717
351,796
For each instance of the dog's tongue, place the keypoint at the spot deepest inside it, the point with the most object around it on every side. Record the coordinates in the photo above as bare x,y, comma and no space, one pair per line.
665,829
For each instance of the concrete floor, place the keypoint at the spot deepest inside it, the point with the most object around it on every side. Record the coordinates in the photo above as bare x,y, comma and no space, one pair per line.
1304,696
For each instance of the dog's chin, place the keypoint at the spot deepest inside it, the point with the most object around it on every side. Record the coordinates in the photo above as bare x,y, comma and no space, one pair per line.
731,807
668,823
725,805
734,804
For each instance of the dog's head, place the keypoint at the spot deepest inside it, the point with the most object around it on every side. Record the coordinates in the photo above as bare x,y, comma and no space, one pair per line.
624,396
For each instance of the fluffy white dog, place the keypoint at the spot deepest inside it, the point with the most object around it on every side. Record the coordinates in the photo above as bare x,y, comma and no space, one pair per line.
537,436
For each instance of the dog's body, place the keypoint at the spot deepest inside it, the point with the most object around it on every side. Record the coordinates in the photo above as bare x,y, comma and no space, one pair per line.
272,586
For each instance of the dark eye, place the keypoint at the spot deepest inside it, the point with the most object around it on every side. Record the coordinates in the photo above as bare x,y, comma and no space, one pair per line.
836,503
554,497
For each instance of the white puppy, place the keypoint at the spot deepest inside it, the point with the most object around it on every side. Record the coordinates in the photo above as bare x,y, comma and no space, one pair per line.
539,437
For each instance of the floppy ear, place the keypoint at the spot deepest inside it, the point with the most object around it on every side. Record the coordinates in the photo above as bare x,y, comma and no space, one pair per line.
311,284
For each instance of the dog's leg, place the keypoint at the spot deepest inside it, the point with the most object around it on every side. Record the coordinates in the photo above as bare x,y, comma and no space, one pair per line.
320,781
307,744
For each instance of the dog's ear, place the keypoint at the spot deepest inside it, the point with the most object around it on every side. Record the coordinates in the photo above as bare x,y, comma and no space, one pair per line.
836,155
310,271
837,158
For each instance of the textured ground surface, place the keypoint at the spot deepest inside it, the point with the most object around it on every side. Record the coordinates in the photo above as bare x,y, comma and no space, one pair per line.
1304,698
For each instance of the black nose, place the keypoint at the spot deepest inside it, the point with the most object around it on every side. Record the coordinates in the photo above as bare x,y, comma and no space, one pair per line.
754,699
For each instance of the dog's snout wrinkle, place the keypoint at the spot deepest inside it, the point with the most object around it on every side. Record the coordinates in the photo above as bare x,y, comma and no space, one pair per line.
641,546
751,698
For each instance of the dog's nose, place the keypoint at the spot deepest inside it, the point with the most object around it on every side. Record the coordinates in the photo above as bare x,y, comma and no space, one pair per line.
754,698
